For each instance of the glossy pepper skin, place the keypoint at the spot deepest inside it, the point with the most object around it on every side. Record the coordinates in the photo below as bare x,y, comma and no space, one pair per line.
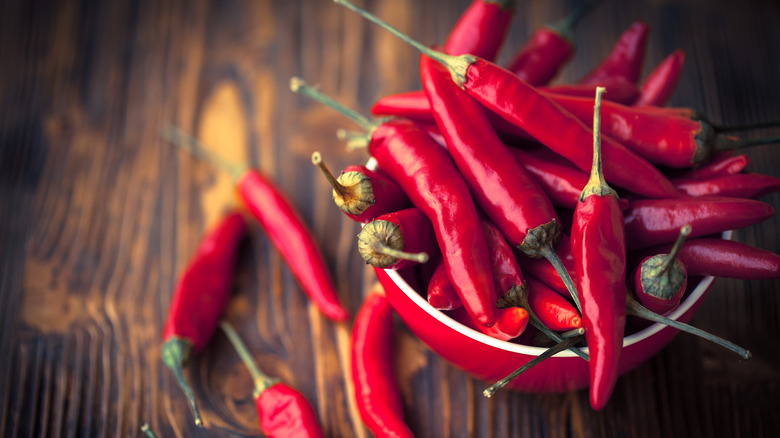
543,271
626,57
722,164
293,239
428,176
651,222
722,258
507,275
599,248
511,322
740,185
658,87
200,297
659,305
481,29
441,294
377,394
542,56
551,308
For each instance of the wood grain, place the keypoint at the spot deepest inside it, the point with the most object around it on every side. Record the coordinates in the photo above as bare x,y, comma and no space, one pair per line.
99,215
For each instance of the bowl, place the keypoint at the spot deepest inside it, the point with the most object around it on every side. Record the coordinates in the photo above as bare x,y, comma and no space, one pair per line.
489,359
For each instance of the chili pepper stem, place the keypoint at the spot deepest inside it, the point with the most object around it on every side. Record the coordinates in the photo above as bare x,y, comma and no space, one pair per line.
723,143
316,159
185,141
175,352
634,308
147,431
565,26
597,184
300,86
355,140
549,253
572,333
563,345
745,127
685,231
419,257
261,380
457,65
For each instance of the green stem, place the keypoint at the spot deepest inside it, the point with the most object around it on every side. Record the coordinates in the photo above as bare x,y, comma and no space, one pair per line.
685,231
548,253
723,143
565,26
175,353
300,86
597,185
539,325
185,141
746,127
563,345
355,140
261,380
148,431
316,159
419,257
457,65
634,308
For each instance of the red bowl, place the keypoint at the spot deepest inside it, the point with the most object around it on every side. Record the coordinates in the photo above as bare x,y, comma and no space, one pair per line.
490,359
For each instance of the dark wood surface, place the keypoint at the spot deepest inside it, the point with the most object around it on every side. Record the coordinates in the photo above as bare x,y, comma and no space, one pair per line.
98,215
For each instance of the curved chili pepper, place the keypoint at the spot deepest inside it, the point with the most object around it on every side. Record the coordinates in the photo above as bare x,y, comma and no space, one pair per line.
441,293
550,47
722,258
397,240
660,138
481,29
510,322
651,222
599,247
626,57
282,224
281,410
659,85
427,174
509,196
507,275
361,193
660,280
553,310
377,393
722,164
740,185
200,299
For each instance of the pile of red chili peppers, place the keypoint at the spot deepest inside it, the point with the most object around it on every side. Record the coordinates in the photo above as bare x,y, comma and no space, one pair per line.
514,229
520,211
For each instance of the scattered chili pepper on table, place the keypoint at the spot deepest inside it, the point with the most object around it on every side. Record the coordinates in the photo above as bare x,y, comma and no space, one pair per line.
626,58
281,410
377,393
282,223
659,85
200,298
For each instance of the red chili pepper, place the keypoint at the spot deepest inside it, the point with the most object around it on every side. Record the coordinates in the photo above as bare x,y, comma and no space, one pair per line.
722,164
659,85
599,246
651,222
361,193
722,258
283,226
660,138
553,310
200,299
626,57
741,185
481,29
427,174
441,293
507,275
281,410
544,271
550,47
509,196
660,279
377,393
510,322
397,240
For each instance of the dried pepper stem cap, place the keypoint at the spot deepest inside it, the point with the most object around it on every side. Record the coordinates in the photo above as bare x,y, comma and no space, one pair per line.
175,353
353,191
381,244
662,275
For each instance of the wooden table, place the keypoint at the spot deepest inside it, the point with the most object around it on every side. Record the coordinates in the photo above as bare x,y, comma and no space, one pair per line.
100,215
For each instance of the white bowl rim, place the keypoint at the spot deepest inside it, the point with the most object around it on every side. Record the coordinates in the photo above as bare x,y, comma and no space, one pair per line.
695,295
